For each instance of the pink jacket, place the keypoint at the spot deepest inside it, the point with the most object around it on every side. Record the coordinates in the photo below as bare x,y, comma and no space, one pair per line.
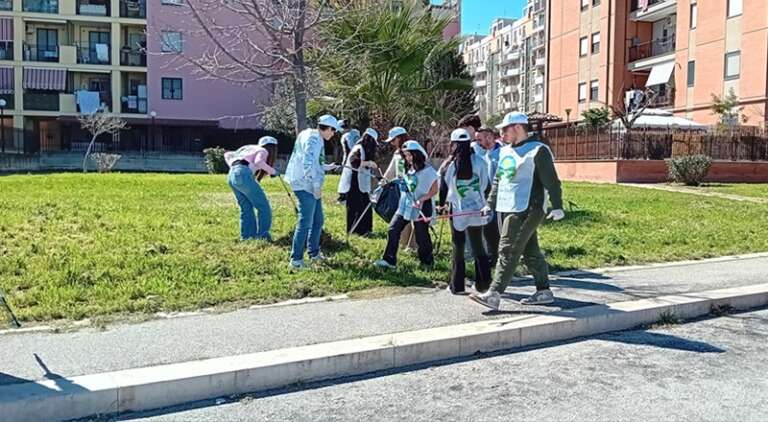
255,155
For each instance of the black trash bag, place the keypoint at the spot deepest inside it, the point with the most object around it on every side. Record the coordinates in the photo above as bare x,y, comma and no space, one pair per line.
386,200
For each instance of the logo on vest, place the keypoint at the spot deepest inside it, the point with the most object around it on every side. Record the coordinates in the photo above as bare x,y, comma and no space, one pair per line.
411,181
508,167
464,186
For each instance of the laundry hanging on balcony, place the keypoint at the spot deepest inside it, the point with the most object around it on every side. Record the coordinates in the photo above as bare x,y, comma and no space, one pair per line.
88,101
45,79
660,74
102,52
6,80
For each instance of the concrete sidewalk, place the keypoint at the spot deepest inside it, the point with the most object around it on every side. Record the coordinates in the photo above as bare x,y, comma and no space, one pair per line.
35,356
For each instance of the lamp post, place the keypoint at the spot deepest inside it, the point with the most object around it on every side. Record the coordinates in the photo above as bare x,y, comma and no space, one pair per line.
153,115
2,123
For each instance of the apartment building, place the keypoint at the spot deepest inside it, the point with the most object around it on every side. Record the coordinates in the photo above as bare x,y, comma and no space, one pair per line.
509,65
605,52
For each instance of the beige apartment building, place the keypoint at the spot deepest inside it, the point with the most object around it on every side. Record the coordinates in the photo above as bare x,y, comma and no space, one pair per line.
607,51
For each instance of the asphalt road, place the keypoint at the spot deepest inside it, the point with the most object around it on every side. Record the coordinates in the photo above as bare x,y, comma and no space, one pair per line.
710,370
34,356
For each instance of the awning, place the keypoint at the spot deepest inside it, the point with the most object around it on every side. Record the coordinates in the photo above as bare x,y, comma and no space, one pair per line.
6,29
6,80
45,79
660,74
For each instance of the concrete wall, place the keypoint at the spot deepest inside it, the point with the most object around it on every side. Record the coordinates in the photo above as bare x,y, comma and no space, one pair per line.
655,171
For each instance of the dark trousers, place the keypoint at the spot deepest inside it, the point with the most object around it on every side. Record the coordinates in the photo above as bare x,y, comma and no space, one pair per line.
482,260
519,239
421,232
357,202
491,237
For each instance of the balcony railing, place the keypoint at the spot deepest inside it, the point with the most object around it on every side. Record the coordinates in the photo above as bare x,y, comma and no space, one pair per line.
6,5
653,48
6,50
664,99
635,5
105,98
136,9
41,53
41,6
136,57
93,53
41,101
133,104
93,8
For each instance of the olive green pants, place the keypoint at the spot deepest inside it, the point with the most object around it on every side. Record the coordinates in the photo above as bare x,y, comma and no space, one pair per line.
519,239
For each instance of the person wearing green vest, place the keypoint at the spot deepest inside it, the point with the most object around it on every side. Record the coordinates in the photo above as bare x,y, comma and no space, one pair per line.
526,176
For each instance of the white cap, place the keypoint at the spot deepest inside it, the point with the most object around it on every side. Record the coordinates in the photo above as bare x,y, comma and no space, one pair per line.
460,135
513,118
414,146
372,133
395,132
330,121
267,140
342,123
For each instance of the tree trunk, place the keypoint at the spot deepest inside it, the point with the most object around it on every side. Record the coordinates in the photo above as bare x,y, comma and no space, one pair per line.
300,100
299,70
88,153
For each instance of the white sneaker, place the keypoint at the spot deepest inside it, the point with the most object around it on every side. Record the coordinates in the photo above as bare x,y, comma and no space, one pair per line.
297,265
318,258
542,297
382,263
489,299
448,289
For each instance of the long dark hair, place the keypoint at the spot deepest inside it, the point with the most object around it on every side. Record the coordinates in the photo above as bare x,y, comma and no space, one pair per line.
271,157
419,161
461,154
369,146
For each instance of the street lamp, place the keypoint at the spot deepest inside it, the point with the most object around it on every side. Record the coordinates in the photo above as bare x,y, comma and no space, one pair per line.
153,114
2,123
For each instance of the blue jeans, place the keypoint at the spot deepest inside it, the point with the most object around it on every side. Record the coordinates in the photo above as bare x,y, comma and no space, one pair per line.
250,195
310,226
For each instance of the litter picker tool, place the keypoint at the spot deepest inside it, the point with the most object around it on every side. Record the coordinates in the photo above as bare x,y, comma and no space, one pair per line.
288,192
447,216
14,321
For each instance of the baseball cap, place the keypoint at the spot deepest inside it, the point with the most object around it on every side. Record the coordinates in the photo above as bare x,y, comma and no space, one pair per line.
372,133
330,121
267,140
460,135
414,146
395,132
513,118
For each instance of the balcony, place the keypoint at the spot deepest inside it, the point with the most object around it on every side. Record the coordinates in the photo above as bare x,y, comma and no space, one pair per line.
93,7
657,9
539,80
511,73
655,48
41,6
133,57
6,50
93,53
541,62
136,9
481,68
665,97
41,101
481,84
41,53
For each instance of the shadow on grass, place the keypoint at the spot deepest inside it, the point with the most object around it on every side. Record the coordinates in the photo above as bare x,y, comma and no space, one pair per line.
328,242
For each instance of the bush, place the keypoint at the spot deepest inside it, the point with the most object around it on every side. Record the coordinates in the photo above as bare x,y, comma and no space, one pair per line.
214,160
689,169
105,162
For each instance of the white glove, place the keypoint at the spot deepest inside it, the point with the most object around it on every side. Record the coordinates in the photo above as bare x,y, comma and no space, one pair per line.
331,167
486,211
556,215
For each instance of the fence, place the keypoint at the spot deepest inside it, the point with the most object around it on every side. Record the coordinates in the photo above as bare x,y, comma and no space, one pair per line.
742,144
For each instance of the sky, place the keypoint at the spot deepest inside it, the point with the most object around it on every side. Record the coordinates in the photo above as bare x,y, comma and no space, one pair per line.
477,15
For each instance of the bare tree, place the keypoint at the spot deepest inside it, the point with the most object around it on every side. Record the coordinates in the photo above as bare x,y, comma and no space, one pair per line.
97,124
258,41
629,113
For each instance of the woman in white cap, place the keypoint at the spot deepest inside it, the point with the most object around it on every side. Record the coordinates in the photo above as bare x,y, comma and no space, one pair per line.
355,183
348,140
397,137
463,186
419,187
306,173
243,164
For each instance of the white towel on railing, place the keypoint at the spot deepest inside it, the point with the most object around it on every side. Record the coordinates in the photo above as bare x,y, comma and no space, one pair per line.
102,52
88,101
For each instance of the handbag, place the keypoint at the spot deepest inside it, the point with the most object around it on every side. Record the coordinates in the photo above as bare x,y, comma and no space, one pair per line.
386,200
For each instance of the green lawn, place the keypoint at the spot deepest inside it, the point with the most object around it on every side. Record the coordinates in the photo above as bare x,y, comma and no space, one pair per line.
75,246
757,190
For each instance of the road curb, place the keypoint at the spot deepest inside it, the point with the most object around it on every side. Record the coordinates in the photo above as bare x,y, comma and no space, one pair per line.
168,385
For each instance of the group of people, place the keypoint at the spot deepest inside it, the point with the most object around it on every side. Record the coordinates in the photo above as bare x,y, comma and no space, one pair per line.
494,188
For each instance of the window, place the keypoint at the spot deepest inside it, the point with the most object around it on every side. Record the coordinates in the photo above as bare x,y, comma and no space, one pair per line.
172,2
691,72
594,90
732,65
694,15
172,89
582,92
734,8
171,41
595,43
584,4
595,2
583,46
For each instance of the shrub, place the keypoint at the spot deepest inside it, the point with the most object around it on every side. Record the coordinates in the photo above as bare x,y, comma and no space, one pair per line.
214,160
105,162
689,169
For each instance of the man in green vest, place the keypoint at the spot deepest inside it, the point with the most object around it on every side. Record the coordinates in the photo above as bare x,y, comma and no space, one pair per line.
525,177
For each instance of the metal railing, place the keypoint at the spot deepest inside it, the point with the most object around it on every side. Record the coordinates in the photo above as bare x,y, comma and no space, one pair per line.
653,48
41,6
136,57
635,4
41,53
93,8
92,54
41,101
136,9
